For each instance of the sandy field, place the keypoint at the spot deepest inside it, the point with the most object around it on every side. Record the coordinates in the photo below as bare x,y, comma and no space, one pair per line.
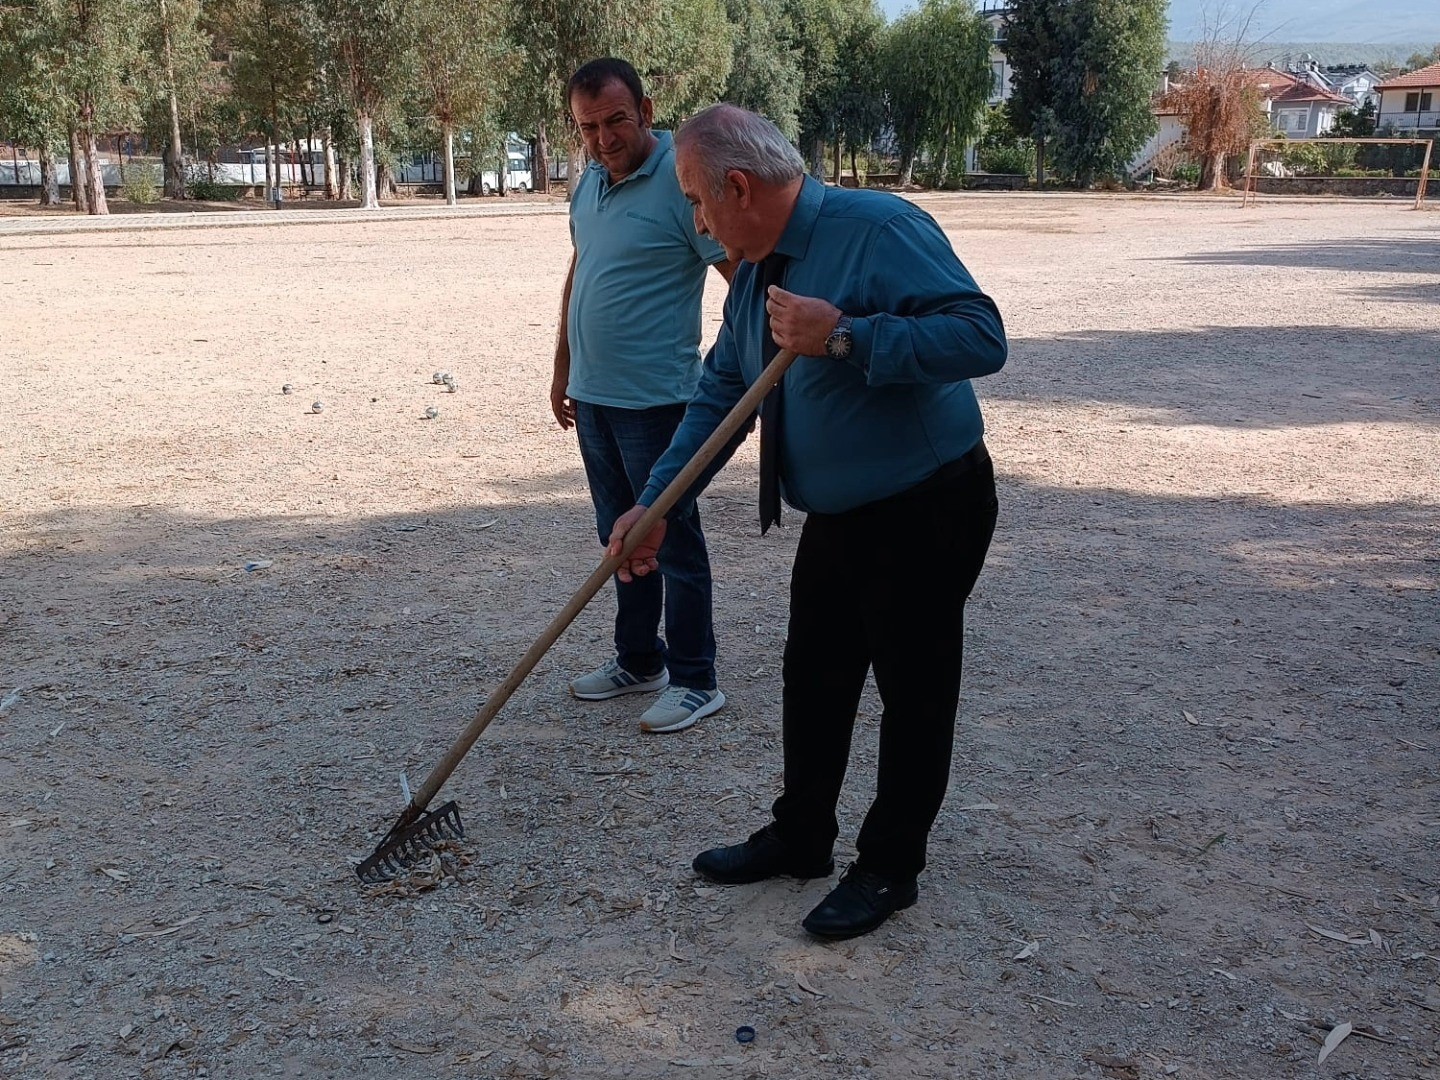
1194,817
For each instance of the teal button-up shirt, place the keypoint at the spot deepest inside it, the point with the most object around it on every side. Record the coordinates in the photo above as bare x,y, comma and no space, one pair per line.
634,315
901,406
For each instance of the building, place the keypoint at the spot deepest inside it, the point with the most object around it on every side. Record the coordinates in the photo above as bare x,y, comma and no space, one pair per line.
1410,103
1298,108
994,12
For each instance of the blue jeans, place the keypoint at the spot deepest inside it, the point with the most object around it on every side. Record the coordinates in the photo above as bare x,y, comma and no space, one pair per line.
619,448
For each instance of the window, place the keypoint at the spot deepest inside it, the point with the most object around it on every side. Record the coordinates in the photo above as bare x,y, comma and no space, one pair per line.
1417,102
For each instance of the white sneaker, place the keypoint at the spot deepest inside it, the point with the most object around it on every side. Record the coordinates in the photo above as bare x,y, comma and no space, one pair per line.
611,680
678,708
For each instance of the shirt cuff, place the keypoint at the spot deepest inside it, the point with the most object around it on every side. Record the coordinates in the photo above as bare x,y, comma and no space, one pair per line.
650,494
862,343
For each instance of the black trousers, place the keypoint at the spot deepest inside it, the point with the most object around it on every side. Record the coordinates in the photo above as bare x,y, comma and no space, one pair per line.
884,587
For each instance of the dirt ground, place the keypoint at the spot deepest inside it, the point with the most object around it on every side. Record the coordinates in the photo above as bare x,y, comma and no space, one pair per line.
1194,817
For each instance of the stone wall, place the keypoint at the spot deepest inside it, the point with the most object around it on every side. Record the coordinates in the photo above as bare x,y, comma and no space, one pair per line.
1395,186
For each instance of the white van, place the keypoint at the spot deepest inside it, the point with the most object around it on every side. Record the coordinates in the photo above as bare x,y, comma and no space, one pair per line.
517,177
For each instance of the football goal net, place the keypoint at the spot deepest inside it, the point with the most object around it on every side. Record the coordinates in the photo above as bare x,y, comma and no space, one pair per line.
1338,166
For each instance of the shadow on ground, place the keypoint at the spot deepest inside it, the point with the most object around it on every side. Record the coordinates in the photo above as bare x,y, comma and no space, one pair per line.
1271,376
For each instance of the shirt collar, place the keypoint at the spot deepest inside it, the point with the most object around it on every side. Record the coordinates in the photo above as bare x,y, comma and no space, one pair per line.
795,240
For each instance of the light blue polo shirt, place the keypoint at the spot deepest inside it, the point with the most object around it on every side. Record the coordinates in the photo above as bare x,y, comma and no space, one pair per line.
634,316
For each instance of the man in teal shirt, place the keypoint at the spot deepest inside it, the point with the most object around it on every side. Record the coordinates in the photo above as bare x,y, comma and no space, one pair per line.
880,442
627,359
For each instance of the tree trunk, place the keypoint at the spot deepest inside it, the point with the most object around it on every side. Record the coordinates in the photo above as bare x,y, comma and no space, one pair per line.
1213,168
854,169
837,160
269,173
79,170
907,167
572,170
307,174
49,176
329,165
370,198
347,180
94,175
175,152
1040,161
540,173
817,158
447,133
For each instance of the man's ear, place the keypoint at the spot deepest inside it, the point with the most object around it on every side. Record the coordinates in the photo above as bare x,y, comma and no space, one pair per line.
738,183
647,112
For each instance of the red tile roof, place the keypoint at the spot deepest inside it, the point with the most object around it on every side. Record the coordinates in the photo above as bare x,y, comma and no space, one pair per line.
1303,91
1426,76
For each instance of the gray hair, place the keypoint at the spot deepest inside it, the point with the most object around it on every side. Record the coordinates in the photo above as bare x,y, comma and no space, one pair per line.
728,137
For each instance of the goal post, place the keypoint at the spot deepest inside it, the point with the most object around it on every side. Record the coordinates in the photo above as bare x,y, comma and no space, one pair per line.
1259,144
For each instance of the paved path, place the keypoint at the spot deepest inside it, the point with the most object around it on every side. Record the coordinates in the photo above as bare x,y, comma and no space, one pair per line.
216,219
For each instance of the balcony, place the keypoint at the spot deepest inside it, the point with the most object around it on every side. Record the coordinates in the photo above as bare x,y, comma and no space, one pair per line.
1402,122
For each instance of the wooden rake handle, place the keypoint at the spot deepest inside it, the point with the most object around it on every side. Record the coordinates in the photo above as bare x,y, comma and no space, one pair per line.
737,417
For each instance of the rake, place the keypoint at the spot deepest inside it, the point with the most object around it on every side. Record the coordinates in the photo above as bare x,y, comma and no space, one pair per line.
417,831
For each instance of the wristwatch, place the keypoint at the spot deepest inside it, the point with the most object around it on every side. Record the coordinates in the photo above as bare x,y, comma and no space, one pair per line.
840,341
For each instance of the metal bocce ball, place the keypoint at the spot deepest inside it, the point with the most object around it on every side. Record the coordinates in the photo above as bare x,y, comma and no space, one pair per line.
287,389
431,412
319,406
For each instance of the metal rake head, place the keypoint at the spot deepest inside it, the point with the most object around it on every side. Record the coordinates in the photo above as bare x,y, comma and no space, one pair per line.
406,844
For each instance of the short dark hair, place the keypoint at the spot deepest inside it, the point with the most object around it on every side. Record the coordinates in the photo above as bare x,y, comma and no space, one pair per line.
598,74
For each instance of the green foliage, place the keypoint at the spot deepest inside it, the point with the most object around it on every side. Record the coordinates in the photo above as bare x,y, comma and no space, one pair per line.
937,70
765,71
1354,124
1001,148
1085,71
1187,174
1007,159
201,187
141,183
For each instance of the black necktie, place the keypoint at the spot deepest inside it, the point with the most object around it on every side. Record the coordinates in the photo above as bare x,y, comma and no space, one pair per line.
771,409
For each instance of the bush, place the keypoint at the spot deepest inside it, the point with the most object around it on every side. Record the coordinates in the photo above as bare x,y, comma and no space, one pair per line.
1187,174
209,191
141,183
1006,159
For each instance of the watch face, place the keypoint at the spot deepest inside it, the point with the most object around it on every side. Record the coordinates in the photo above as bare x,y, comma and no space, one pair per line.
838,344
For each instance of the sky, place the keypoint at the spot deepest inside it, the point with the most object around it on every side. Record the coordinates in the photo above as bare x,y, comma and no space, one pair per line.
1357,22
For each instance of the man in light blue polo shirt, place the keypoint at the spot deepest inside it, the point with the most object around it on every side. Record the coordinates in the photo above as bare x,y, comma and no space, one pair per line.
627,359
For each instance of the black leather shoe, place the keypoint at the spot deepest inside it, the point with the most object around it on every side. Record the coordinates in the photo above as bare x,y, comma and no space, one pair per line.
763,856
860,903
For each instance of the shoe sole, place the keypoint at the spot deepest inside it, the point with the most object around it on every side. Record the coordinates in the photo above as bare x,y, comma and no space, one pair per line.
846,935
660,682
802,875
680,725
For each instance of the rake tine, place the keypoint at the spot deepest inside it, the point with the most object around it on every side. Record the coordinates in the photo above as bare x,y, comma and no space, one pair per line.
406,844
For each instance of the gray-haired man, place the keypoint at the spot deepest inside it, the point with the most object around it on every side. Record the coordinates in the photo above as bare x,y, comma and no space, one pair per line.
881,445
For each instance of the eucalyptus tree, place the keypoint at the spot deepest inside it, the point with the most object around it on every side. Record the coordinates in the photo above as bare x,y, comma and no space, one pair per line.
458,68
97,78
372,47
273,62
182,72
32,111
